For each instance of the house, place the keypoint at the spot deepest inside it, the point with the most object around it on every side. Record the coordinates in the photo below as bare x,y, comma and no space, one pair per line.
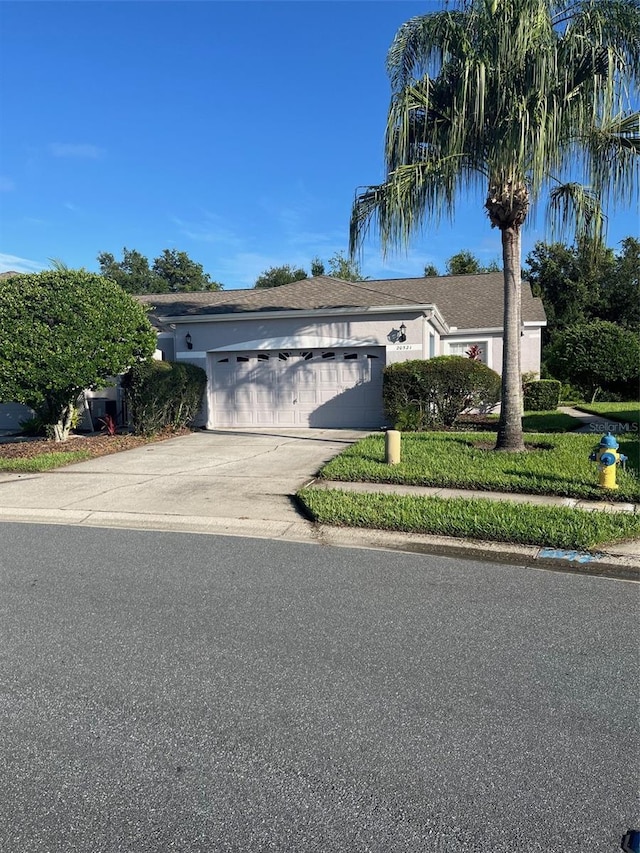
311,353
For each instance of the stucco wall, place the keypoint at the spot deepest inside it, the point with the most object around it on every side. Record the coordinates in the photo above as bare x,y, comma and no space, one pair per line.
374,330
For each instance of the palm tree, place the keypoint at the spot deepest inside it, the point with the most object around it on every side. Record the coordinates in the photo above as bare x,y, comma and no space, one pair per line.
525,99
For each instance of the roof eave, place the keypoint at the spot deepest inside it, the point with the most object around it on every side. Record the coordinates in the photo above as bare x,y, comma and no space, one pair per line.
297,312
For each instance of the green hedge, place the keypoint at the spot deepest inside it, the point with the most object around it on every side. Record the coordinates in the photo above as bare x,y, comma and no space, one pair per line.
542,396
419,394
163,394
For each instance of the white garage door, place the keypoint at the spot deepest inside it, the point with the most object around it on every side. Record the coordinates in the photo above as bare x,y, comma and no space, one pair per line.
297,388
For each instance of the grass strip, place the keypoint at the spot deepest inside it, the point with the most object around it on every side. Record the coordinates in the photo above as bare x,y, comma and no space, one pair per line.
472,518
555,464
45,462
625,413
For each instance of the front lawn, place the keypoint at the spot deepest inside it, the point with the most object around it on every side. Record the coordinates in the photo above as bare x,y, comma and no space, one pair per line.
626,413
556,464
473,518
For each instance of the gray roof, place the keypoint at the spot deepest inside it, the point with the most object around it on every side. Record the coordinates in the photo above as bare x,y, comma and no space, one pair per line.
465,301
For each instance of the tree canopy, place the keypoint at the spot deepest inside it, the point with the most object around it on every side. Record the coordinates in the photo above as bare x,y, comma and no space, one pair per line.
340,266
521,98
586,282
277,276
171,272
466,263
345,268
64,331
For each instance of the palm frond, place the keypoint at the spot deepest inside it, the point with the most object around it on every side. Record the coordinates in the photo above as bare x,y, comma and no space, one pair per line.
424,42
576,209
412,194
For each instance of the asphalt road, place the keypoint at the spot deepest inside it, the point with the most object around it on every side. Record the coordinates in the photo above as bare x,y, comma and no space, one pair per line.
168,692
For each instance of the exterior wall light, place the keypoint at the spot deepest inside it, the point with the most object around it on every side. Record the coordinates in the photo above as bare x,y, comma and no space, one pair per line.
188,341
402,337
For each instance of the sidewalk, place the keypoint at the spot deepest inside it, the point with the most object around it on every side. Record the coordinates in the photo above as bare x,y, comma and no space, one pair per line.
595,424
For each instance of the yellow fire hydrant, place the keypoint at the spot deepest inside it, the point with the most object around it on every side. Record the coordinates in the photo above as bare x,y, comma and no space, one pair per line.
607,456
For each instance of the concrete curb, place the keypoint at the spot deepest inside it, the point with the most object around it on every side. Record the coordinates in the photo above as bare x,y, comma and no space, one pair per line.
619,567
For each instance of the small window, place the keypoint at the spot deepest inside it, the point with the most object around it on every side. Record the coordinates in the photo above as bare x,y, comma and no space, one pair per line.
223,361
371,355
329,355
241,358
349,356
307,356
262,356
283,356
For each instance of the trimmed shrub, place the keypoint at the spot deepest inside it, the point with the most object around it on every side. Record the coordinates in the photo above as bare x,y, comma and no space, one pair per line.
542,396
437,391
163,394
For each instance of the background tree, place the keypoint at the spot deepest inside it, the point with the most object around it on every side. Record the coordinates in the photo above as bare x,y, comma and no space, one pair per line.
171,272
512,95
431,270
277,276
347,269
132,273
586,282
63,332
568,279
317,267
620,287
181,274
466,263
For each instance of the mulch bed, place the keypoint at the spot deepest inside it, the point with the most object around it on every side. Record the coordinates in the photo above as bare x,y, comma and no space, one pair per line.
95,444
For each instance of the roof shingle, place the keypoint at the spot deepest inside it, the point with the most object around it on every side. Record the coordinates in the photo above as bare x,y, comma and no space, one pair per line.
465,301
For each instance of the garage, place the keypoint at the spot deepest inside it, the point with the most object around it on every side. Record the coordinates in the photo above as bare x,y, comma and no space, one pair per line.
332,388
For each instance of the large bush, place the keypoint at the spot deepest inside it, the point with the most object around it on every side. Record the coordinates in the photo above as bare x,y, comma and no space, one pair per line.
418,394
597,356
163,394
64,331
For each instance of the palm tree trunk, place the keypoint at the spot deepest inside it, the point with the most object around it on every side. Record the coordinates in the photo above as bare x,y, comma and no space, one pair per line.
510,426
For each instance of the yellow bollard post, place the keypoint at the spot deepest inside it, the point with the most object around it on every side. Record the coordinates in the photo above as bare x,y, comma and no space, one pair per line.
392,446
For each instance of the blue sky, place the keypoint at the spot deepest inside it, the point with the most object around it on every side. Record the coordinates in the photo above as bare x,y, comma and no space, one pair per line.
235,131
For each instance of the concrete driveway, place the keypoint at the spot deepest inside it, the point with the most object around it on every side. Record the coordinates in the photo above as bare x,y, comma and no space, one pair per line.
223,481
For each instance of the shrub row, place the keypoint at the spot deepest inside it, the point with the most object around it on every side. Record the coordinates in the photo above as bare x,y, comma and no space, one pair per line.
163,394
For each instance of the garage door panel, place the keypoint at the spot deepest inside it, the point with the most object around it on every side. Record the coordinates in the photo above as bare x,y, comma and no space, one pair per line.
324,388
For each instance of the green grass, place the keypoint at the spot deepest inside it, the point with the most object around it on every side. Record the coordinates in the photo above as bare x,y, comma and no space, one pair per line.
559,464
44,462
626,413
472,518
549,422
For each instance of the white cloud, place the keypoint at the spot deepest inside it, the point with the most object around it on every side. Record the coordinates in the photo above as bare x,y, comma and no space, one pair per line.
6,185
209,229
80,151
12,263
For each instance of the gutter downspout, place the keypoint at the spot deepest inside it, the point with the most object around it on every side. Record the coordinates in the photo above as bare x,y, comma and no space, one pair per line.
426,315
